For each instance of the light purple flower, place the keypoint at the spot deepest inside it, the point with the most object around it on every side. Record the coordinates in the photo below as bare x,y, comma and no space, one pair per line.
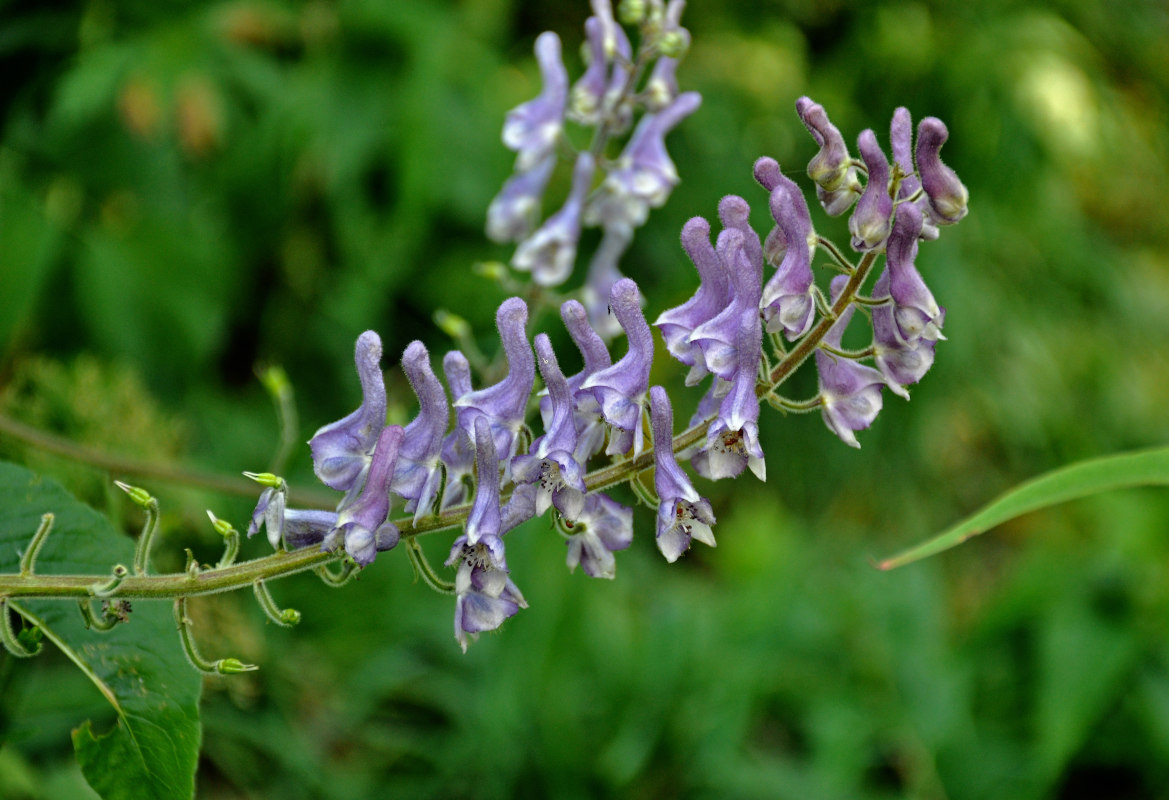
590,426
850,393
600,87
484,522
682,514
643,175
787,302
872,217
662,86
948,196
713,296
732,440
620,389
901,142
364,525
836,183
551,466
269,512
458,451
602,274
342,449
603,527
899,362
534,128
304,527
549,253
418,474
514,212
915,312
505,403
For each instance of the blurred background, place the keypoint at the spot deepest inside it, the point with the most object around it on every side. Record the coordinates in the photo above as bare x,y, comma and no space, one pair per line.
191,189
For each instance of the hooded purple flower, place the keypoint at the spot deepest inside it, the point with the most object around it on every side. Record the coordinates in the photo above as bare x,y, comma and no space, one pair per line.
682,514
643,175
269,512
732,440
850,392
534,128
713,295
915,312
899,363
364,525
513,212
620,389
948,196
604,79
901,142
418,474
740,250
505,403
603,273
603,527
870,220
342,450
485,595
787,302
836,183
551,465
458,451
589,423
549,253
662,86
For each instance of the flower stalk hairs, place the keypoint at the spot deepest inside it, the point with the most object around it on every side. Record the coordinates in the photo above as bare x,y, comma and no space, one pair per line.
765,304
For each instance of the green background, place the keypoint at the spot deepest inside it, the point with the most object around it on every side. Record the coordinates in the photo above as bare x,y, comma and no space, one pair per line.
189,189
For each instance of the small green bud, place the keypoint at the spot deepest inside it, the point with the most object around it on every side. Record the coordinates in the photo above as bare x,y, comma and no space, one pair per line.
233,666
140,496
266,479
672,45
222,526
275,380
452,325
631,12
290,616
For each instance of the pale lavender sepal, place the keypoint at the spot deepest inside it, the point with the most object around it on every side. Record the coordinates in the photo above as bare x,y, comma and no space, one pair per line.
550,252
682,514
533,129
514,212
712,297
458,451
901,143
342,449
305,527
603,527
900,363
837,186
850,392
872,217
418,474
948,197
484,594
732,440
603,273
364,527
787,303
915,312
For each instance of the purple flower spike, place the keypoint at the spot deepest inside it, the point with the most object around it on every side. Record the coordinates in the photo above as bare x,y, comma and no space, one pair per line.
533,128
916,313
458,451
513,212
550,252
713,295
732,440
682,514
901,141
551,466
870,221
643,175
948,196
850,392
743,256
832,170
417,476
620,389
505,403
364,526
341,450
787,298
604,527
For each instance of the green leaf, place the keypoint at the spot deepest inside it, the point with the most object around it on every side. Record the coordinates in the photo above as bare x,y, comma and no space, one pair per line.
139,667
1081,479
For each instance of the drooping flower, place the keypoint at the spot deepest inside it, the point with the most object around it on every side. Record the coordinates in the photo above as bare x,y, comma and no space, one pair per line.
713,295
916,313
549,253
850,393
901,142
620,389
899,362
682,514
505,403
643,175
732,440
269,513
458,450
590,426
603,527
837,186
533,129
872,217
948,196
513,212
551,466
787,303
364,525
418,473
341,450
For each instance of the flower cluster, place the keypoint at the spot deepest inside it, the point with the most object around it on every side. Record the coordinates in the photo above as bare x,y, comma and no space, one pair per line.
757,315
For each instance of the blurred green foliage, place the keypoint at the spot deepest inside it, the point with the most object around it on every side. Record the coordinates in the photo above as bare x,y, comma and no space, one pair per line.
189,188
